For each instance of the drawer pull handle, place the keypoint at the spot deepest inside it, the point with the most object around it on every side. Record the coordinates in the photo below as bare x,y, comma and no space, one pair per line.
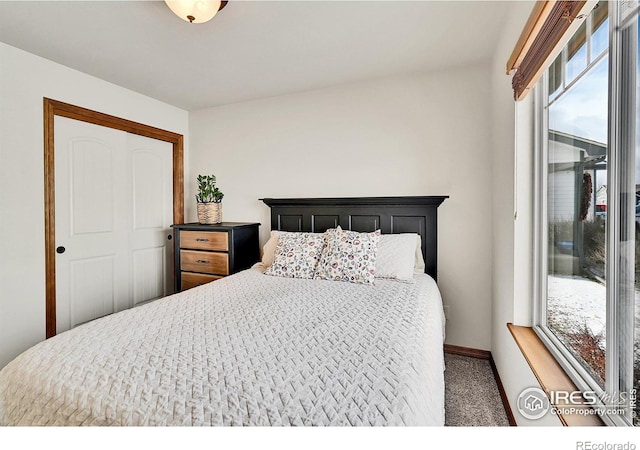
202,261
202,240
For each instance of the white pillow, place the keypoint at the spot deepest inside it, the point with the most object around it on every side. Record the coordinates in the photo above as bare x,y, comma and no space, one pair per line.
269,249
399,256
419,266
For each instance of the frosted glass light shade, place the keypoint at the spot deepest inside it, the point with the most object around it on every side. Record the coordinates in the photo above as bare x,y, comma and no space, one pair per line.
194,11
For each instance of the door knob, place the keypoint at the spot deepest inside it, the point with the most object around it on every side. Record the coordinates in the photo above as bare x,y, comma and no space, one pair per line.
60,249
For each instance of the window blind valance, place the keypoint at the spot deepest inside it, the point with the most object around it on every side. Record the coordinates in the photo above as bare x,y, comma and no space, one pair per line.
542,39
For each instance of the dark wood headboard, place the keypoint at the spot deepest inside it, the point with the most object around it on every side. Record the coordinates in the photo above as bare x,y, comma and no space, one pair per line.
364,214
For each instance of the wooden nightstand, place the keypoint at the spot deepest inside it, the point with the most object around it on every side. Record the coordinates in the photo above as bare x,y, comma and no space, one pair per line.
205,253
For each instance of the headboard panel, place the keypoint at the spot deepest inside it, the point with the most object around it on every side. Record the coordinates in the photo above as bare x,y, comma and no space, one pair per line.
364,214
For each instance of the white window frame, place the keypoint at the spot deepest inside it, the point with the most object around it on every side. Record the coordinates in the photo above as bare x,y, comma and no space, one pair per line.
615,382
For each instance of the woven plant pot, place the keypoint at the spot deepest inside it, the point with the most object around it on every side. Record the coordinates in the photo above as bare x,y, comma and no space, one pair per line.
209,213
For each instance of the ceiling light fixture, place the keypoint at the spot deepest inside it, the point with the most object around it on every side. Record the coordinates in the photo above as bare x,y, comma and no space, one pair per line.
195,11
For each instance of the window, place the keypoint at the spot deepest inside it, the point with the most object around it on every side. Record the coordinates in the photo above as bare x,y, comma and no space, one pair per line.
588,209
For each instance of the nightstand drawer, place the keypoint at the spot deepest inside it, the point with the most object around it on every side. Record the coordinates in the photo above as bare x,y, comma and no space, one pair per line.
204,262
205,240
204,252
190,279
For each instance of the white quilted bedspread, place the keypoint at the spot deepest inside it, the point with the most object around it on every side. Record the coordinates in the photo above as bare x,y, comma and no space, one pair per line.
249,349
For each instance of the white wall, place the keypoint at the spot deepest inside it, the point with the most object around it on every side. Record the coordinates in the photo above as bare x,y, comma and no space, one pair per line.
449,132
512,218
414,135
24,80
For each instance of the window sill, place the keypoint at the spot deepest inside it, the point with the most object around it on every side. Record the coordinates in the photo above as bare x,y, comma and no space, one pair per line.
549,373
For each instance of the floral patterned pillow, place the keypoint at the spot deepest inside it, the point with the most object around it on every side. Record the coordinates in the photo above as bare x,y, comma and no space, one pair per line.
349,256
296,255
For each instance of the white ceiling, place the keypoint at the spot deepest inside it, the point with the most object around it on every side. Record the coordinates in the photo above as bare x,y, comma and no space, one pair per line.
252,49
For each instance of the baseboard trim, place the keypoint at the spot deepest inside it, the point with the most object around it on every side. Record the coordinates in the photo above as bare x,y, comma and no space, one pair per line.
486,355
503,395
467,351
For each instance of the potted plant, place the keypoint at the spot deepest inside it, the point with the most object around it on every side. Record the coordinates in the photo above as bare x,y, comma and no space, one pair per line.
209,200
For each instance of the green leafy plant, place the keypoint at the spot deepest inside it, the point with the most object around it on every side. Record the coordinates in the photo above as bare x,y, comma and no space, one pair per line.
208,192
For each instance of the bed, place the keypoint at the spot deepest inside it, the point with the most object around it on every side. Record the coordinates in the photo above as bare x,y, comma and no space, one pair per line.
256,348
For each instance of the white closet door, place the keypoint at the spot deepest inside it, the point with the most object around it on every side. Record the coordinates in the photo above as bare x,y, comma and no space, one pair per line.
108,220
151,253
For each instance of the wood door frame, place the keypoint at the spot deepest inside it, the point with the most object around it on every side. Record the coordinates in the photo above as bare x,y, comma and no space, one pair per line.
54,108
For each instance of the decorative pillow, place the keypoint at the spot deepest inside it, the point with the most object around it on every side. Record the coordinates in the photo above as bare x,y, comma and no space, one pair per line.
349,256
296,255
396,257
